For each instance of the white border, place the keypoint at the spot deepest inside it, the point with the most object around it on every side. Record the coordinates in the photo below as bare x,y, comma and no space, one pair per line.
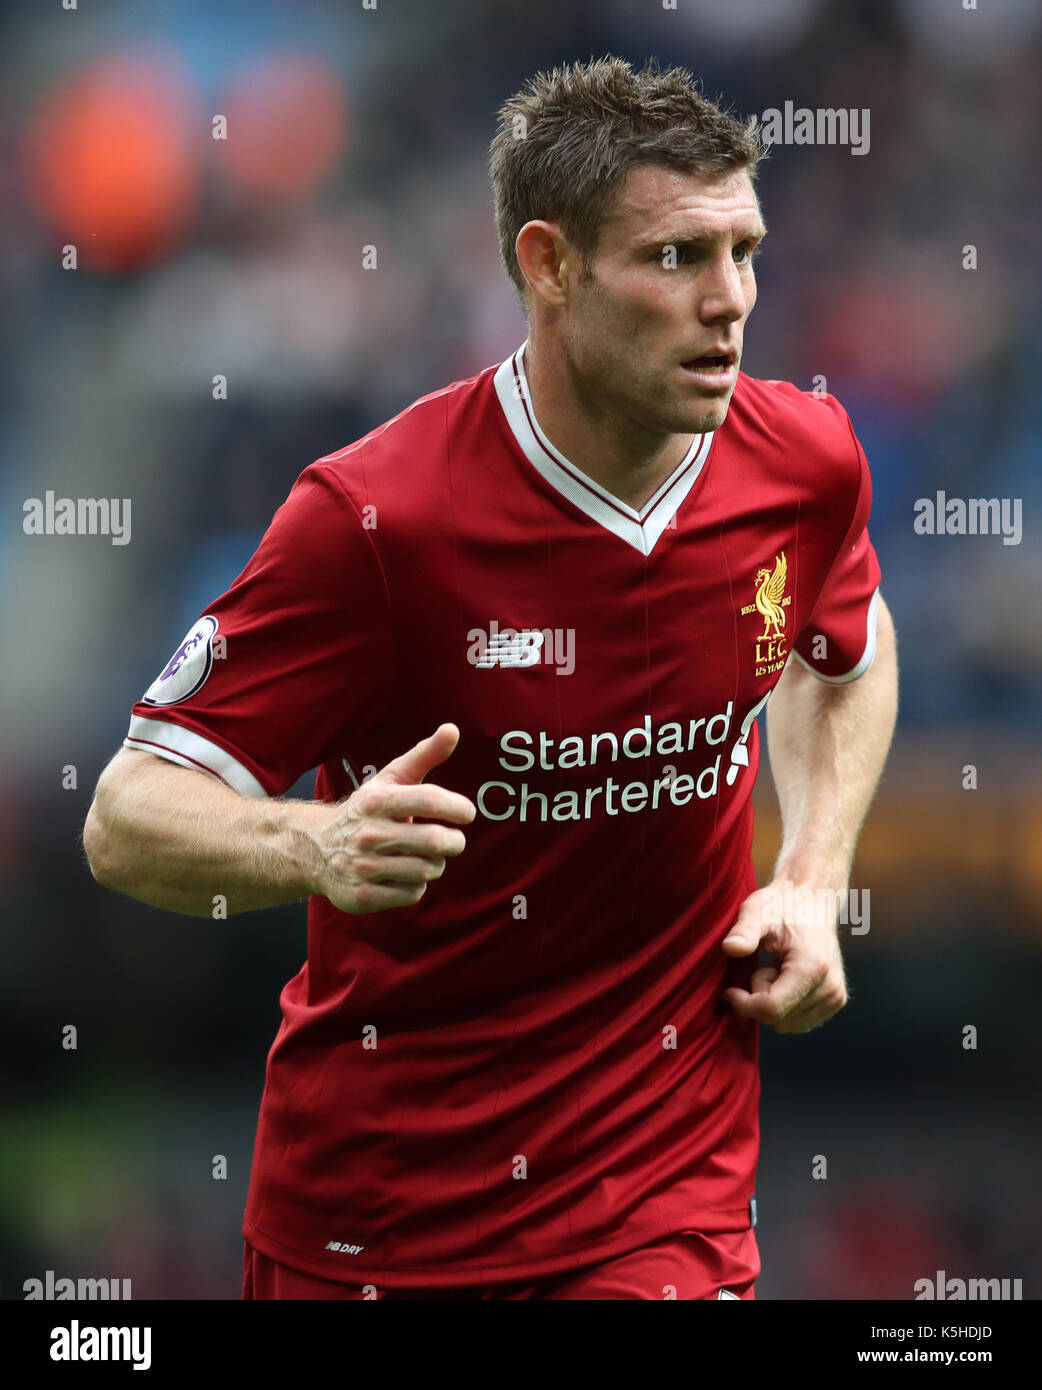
640,529
180,745
867,656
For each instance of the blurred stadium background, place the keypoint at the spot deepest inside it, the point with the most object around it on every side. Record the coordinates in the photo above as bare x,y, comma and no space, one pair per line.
353,127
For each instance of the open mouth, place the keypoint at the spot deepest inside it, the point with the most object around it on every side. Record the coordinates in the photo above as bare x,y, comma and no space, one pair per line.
709,364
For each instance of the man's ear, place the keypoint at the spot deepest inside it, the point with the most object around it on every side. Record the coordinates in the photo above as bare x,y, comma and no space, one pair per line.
541,251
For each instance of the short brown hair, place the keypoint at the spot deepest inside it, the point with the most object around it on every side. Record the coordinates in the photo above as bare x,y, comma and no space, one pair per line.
568,138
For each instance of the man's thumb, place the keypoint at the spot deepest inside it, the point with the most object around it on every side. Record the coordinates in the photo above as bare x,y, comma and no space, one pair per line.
744,936
413,766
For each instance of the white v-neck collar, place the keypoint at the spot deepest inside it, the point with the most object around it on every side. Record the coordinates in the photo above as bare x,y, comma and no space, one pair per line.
639,529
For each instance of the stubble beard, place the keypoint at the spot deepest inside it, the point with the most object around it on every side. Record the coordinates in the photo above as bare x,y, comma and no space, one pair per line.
674,417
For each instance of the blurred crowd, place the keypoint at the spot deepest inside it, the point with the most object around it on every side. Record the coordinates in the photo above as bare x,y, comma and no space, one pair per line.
358,135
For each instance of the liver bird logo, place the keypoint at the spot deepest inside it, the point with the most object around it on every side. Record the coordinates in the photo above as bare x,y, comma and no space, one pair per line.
769,595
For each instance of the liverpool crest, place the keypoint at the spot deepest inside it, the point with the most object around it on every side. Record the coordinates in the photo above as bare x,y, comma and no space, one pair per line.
771,601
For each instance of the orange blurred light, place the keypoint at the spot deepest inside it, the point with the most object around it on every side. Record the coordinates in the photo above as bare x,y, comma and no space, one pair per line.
287,120
111,158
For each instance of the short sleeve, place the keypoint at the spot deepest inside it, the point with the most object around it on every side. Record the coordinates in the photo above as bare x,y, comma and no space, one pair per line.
292,659
839,642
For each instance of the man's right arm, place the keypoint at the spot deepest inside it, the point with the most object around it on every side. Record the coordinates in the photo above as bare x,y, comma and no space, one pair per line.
176,839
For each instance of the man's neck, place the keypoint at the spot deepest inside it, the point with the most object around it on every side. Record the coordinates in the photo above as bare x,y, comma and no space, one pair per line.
632,463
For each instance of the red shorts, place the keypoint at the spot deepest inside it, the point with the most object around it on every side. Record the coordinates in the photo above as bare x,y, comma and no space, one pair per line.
685,1266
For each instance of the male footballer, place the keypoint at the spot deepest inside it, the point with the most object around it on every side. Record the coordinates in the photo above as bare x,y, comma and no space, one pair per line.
523,631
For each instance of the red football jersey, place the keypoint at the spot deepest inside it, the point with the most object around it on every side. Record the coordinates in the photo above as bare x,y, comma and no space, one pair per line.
533,1067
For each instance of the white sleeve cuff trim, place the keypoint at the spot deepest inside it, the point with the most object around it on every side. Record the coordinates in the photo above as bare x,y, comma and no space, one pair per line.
188,749
867,656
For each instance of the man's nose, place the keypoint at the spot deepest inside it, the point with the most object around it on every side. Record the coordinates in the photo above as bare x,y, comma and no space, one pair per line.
724,292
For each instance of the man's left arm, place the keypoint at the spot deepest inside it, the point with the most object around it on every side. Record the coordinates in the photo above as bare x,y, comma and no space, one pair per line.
827,746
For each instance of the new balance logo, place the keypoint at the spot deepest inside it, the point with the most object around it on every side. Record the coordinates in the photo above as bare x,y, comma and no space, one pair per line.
342,1247
520,647
510,648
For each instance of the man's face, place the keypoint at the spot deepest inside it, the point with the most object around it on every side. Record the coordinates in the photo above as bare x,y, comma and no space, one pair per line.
671,287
